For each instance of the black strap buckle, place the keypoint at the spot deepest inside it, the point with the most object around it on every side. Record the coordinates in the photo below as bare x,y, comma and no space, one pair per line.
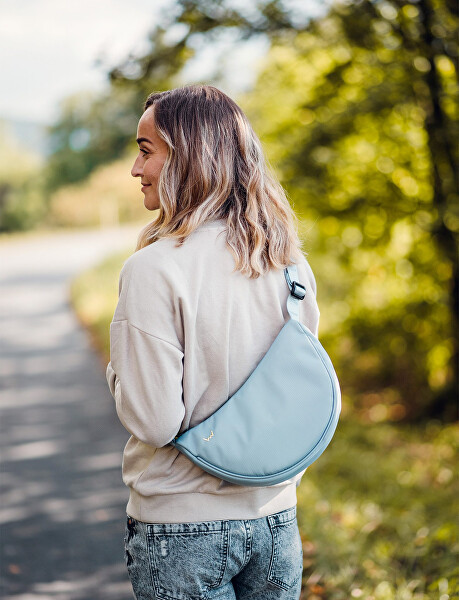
296,289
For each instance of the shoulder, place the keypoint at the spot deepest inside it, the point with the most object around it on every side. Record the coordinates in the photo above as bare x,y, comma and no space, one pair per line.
155,261
167,258
147,292
305,271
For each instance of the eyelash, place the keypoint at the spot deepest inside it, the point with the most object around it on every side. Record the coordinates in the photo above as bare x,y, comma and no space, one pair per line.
144,152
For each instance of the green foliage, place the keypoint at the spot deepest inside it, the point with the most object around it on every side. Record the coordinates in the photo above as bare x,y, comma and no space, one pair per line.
94,295
22,207
91,131
346,116
22,202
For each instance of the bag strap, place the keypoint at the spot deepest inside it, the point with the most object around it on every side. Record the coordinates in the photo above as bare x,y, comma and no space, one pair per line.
297,291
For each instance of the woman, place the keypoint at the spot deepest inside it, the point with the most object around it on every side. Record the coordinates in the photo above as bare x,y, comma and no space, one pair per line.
200,302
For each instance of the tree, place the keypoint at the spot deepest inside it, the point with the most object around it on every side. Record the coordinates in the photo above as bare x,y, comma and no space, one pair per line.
92,131
359,114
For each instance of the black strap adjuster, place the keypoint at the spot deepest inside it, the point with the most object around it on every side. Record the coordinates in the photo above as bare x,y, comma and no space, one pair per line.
296,289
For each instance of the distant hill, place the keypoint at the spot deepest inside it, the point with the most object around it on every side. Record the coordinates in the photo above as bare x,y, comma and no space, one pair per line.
30,135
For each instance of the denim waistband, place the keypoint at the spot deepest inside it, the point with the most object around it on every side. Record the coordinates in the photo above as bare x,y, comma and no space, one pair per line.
283,516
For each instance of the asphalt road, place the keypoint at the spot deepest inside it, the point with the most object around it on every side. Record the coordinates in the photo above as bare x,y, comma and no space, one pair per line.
62,510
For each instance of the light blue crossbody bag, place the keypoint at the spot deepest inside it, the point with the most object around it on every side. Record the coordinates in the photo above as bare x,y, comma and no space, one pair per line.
282,417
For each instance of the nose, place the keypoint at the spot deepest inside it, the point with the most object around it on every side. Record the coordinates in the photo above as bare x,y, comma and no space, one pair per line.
136,170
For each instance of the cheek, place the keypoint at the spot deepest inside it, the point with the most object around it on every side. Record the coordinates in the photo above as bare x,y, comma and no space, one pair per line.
153,169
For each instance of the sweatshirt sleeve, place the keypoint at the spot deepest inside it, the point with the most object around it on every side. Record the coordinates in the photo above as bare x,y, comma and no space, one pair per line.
145,371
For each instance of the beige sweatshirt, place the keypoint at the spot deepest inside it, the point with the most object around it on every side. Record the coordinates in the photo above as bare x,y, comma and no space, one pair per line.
186,333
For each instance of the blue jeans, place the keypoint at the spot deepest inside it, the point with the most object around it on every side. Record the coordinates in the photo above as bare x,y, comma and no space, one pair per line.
253,559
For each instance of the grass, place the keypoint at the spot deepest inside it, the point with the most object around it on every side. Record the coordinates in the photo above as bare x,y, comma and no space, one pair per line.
94,295
377,512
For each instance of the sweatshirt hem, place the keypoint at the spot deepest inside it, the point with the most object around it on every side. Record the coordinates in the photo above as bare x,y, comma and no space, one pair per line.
189,507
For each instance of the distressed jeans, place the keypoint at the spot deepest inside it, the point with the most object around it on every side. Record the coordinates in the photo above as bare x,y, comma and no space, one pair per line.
253,559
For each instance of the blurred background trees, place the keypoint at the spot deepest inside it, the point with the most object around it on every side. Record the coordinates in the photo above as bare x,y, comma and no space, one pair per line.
360,117
358,111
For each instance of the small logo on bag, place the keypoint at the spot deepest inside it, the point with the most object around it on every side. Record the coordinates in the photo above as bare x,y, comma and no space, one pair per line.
210,436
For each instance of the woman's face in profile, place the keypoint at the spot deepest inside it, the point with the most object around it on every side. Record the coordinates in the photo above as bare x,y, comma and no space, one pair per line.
150,160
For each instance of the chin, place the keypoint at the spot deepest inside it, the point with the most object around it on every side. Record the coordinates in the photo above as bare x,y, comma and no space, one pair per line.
152,208
151,205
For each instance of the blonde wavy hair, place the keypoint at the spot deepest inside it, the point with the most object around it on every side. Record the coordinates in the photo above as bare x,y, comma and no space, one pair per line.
216,169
